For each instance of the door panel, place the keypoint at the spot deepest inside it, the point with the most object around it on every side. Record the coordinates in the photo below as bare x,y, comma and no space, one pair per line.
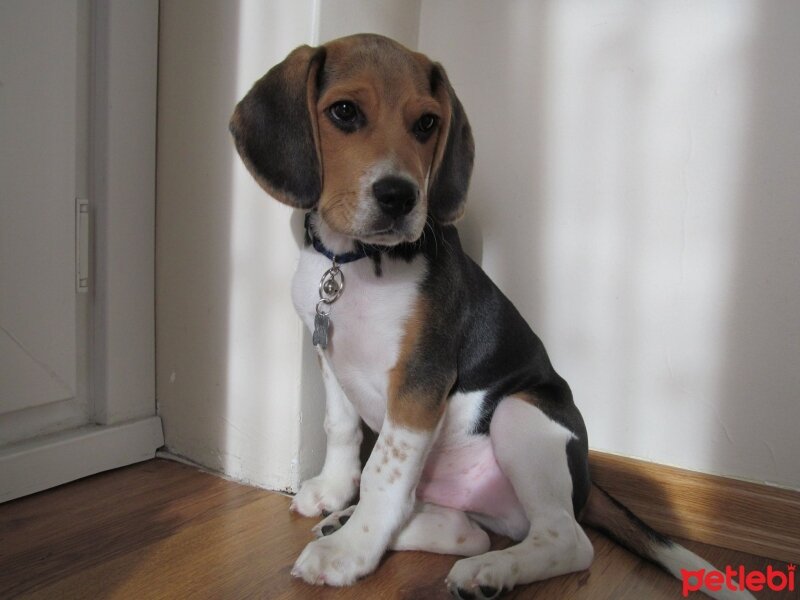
44,64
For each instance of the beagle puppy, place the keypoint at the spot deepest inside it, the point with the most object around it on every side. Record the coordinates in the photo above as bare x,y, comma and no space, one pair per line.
477,431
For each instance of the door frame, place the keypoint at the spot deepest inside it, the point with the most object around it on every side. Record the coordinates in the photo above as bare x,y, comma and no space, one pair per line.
126,428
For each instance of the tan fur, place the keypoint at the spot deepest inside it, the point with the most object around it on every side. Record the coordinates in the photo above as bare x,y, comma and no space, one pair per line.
527,397
304,160
391,85
411,406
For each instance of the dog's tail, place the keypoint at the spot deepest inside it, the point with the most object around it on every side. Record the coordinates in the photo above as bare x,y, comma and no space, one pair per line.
606,514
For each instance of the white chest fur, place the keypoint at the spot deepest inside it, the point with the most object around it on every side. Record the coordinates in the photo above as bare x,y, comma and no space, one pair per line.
367,323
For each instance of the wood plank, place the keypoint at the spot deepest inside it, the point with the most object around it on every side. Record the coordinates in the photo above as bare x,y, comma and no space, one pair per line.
754,518
166,530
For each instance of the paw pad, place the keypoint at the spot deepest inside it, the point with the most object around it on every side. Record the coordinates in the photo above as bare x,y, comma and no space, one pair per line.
333,522
483,592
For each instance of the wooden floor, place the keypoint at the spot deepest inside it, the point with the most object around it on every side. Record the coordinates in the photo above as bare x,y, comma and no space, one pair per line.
164,530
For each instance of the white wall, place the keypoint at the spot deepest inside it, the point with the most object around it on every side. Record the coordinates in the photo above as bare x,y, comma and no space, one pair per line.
636,195
229,344
238,385
397,19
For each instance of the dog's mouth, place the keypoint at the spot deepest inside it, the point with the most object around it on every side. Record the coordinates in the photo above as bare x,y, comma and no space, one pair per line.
380,236
378,229
385,230
384,236
388,236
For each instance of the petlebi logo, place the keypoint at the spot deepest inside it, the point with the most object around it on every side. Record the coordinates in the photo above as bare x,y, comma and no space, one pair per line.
739,579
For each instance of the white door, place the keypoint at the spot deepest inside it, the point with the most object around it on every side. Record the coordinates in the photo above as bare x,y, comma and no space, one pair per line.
44,65
76,393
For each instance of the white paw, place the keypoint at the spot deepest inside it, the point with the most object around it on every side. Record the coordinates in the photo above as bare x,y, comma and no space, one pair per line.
326,494
333,522
335,560
482,577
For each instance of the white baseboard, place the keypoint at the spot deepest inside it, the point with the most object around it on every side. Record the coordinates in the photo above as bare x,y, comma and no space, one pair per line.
46,462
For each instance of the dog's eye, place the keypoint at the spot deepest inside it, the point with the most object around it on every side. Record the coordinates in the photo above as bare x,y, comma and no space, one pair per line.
425,125
343,112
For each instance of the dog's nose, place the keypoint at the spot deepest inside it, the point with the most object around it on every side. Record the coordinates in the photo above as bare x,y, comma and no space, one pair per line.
395,196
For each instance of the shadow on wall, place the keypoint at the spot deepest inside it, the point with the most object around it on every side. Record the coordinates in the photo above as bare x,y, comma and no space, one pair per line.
760,376
636,196
513,211
194,217
717,334
228,362
275,399
312,390
583,236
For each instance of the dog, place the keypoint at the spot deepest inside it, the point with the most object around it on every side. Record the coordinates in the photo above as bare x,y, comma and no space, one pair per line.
477,431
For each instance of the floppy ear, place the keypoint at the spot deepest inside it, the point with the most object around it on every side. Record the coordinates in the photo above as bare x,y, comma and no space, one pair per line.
455,152
275,129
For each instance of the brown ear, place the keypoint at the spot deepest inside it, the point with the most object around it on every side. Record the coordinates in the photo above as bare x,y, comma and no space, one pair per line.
275,129
455,152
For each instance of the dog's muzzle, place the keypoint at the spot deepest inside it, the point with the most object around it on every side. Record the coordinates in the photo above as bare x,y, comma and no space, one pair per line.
395,196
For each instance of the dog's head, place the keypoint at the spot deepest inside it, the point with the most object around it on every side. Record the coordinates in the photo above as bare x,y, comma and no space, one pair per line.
365,130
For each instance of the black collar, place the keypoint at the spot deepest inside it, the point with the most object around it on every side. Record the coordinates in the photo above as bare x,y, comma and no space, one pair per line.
361,250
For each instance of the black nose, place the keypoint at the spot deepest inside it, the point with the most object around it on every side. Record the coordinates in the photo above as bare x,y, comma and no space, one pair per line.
395,196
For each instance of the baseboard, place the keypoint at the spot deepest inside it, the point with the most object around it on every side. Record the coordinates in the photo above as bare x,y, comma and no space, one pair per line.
750,517
49,461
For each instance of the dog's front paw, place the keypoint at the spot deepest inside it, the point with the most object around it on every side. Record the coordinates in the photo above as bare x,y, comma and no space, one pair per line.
482,577
335,560
324,494
333,522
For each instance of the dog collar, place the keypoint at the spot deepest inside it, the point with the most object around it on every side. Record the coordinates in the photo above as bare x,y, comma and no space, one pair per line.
331,285
360,252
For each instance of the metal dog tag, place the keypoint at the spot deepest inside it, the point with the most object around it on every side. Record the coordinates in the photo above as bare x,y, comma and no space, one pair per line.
331,287
321,325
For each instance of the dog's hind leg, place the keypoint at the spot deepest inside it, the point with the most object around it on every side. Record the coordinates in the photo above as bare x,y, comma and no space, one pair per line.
434,528
430,528
531,450
336,485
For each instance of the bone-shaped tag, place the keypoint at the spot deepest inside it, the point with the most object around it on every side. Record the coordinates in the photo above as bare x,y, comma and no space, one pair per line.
321,325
